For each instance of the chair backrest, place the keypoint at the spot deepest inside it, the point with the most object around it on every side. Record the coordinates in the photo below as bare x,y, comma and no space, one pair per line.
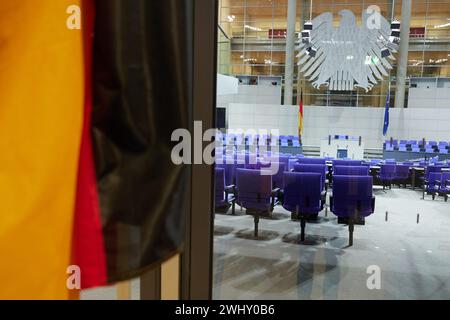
346,163
253,189
229,173
313,168
432,181
311,160
302,190
444,177
351,170
351,195
277,178
402,171
432,169
387,171
219,184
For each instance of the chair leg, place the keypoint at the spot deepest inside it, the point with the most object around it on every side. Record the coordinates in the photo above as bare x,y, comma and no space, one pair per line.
233,207
445,197
302,228
256,219
433,196
351,228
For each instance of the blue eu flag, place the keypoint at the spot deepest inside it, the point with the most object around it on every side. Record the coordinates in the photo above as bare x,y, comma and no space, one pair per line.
386,115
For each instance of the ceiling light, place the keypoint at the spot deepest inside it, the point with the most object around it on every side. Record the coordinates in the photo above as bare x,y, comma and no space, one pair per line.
442,25
252,28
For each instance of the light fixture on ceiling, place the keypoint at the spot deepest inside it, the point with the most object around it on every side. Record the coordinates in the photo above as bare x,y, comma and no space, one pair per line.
442,25
252,28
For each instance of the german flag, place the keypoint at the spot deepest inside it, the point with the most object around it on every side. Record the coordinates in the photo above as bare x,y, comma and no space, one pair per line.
90,94
300,115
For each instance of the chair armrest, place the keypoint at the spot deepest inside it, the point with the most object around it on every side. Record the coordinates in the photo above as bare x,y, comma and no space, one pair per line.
230,188
275,191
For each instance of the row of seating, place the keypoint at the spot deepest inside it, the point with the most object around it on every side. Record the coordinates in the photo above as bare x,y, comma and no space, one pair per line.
437,183
442,147
261,140
395,142
302,190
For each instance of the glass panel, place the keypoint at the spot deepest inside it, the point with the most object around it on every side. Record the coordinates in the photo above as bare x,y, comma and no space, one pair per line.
408,221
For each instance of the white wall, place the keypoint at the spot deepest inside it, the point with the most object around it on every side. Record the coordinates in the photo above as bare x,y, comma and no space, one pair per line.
252,94
260,116
319,122
410,124
227,85
423,97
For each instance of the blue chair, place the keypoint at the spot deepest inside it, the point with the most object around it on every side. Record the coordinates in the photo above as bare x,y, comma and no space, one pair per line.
306,160
302,194
254,192
401,174
277,178
387,175
432,169
432,184
229,169
351,170
224,194
352,200
444,188
340,162
314,168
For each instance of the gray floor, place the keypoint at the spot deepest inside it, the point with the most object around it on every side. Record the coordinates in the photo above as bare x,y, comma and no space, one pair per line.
110,293
414,258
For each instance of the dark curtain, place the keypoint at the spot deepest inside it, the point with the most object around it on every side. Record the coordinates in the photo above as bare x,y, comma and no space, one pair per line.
142,80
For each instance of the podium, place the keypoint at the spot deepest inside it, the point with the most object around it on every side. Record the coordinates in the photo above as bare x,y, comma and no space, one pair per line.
342,147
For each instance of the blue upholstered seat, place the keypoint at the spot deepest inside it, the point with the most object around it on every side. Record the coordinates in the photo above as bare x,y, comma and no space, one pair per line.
351,170
302,194
353,199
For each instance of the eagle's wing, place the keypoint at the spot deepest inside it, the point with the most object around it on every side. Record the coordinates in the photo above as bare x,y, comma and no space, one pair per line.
321,36
372,41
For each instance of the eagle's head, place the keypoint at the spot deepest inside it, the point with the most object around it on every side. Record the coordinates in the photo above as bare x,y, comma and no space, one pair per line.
347,17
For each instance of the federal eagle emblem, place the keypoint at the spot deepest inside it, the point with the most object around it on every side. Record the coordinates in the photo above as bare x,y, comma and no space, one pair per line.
349,55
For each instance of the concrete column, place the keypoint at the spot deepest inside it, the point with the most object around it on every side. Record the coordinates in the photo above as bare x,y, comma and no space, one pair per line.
402,61
306,6
290,52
